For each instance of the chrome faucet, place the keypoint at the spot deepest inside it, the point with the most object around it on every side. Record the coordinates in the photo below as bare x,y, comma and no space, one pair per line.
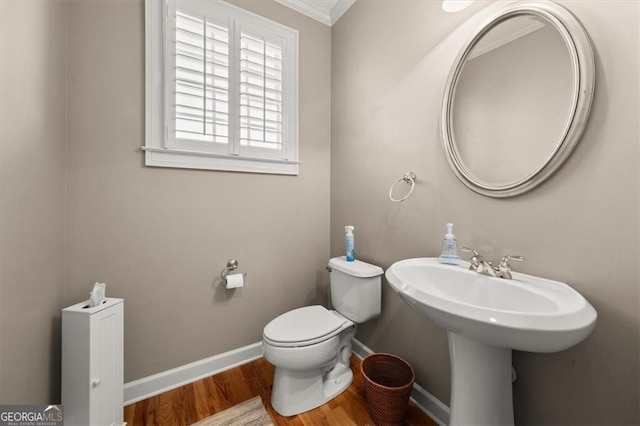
504,269
478,264
485,267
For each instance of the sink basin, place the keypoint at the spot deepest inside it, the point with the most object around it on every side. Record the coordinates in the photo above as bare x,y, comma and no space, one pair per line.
526,313
486,318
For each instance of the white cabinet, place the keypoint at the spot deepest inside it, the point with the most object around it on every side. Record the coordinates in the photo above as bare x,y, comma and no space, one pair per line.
92,364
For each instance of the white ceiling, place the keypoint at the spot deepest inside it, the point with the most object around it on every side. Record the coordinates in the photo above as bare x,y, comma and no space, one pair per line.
326,11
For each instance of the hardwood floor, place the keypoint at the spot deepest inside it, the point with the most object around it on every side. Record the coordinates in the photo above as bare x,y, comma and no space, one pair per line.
195,401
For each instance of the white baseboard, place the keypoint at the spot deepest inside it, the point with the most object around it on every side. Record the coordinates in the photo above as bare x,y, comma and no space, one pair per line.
427,403
156,384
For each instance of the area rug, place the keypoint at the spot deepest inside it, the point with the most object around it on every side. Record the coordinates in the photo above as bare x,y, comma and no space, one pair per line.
248,413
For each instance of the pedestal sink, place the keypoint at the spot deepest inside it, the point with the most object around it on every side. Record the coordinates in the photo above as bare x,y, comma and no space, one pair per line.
486,318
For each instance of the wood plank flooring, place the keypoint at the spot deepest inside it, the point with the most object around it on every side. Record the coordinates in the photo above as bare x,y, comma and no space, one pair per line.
195,401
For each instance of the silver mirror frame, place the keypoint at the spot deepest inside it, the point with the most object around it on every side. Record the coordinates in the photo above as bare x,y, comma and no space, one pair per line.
583,64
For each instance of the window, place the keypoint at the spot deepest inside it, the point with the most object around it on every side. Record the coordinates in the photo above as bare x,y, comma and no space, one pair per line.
221,89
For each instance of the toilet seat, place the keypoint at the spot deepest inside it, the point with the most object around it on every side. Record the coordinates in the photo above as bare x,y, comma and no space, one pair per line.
304,326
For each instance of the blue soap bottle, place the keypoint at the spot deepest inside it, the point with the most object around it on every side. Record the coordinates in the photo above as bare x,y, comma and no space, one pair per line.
349,243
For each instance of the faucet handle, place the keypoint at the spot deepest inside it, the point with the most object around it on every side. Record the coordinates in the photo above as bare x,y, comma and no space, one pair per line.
470,250
504,269
475,259
505,259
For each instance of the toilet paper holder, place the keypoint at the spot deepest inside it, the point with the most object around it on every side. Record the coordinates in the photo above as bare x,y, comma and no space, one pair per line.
232,265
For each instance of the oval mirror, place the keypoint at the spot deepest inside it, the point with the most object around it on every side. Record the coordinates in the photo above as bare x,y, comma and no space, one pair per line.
517,98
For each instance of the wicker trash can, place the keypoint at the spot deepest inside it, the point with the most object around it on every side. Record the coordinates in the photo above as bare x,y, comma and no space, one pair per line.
388,383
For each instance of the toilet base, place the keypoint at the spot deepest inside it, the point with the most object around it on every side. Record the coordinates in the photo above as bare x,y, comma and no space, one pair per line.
298,386
295,392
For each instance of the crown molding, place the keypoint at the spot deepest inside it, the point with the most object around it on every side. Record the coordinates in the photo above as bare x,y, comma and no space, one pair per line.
325,11
339,9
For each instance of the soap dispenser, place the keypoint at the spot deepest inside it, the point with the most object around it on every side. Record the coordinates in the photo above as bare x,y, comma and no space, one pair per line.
349,243
450,254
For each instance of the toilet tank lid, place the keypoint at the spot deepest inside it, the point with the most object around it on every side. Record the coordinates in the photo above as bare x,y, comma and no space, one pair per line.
357,268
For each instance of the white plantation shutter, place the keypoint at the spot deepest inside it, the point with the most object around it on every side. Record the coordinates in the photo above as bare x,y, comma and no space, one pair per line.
201,79
229,93
261,94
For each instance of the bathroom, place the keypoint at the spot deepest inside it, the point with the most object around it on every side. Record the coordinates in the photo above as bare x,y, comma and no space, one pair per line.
78,205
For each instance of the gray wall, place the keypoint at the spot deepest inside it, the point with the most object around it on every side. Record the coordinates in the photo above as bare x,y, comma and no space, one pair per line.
32,189
160,237
390,61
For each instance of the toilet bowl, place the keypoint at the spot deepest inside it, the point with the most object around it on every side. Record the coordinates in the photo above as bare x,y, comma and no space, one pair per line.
310,347
312,363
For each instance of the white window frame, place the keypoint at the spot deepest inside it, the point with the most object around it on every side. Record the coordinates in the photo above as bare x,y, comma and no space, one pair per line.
160,148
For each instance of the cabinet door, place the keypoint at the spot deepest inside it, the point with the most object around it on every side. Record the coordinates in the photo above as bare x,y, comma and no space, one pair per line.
106,381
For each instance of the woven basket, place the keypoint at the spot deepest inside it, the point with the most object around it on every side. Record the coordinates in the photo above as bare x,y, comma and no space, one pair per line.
388,383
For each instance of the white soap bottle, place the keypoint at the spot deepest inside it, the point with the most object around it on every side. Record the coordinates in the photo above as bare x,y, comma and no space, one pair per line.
349,243
450,254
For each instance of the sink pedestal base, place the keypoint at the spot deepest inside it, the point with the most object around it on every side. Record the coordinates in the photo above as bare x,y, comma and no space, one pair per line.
481,389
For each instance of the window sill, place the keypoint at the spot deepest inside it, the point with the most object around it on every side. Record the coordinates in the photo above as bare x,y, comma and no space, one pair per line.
184,159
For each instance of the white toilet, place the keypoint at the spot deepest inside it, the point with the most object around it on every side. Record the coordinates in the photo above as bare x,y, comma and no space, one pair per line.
311,346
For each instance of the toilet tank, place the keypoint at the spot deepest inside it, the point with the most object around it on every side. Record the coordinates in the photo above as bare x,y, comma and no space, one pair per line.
355,288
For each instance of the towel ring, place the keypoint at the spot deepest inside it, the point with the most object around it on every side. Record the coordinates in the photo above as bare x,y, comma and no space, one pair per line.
409,178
